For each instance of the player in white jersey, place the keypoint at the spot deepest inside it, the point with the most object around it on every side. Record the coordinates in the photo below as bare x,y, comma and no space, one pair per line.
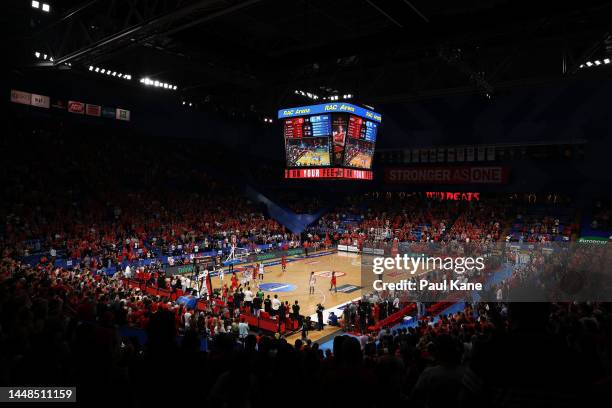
261,271
221,275
312,281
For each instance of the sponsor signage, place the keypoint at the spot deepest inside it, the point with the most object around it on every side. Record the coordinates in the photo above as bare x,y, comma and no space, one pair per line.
593,240
180,269
76,107
58,104
93,110
328,108
447,175
329,173
274,254
108,112
373,251
80,108
342,248
122,114
41,101
23,98
351,248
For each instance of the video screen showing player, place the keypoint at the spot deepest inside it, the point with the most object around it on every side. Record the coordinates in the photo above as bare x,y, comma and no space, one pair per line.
308,152
339,128
358,153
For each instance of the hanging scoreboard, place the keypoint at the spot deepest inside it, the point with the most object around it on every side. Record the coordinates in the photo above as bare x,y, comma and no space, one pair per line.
331,138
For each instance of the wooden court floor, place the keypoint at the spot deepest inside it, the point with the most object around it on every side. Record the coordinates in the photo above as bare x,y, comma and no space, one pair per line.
293,284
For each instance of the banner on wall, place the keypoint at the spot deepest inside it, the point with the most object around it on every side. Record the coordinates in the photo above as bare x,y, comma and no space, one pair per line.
447,175
21,97
108,112
93,110
41,101
58,103
76,107
122,114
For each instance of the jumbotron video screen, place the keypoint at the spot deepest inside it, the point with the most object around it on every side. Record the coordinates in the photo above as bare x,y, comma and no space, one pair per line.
332,139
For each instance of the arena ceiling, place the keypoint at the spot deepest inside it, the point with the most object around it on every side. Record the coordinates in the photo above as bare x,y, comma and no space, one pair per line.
253,54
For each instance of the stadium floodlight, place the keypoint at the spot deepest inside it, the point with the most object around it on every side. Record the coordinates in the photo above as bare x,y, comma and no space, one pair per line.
102,71
581,65
46,8
589,64
91,68
606,60
129,77
597,62
35,4
174,87
37,54
97,69
114,73
51,59
190,104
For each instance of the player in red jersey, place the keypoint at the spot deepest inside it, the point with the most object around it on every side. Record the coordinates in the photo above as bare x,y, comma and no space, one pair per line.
333,282
234,281
283,263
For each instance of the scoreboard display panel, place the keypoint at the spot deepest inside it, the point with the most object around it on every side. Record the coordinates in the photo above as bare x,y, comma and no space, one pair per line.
338,135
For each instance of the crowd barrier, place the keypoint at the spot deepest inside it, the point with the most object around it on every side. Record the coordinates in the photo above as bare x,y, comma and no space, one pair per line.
393,318
266,323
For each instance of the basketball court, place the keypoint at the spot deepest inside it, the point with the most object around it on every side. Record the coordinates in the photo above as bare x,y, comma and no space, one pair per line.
292,285
361,160
319,157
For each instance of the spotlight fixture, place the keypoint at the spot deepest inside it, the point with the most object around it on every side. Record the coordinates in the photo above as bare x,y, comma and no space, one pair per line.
157,83
309,95
110,72
41,6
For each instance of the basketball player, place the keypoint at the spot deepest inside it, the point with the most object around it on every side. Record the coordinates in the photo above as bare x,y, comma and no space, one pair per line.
283,264
221,276
333,282
261,271
311,283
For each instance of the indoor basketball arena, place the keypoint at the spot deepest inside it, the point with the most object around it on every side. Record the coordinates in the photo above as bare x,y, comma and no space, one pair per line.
256,203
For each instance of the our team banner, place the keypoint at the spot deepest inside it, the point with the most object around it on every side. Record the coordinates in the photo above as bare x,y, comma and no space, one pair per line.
76,107
447,175
93,110
122,114
41,101
24,98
